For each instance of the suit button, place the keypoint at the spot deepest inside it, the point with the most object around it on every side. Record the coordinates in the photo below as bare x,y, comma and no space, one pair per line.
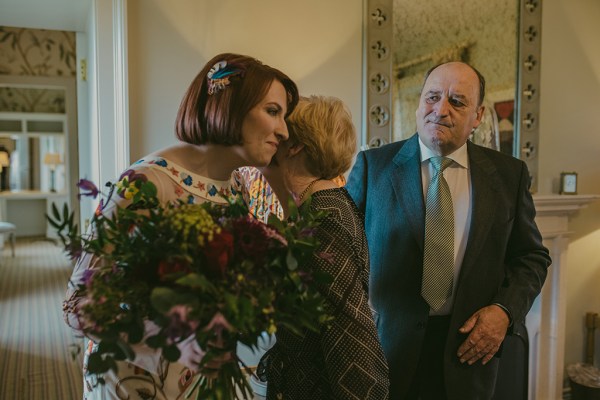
421,325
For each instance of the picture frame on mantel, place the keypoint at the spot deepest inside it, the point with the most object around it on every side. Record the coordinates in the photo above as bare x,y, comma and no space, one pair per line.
568,183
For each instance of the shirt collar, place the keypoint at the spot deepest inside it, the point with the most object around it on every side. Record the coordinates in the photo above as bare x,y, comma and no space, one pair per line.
459,156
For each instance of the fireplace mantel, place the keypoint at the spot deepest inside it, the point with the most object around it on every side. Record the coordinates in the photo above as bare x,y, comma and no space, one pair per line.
546,321
561,205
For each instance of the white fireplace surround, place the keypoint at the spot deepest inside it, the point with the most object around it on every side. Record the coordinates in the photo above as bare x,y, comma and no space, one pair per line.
546,321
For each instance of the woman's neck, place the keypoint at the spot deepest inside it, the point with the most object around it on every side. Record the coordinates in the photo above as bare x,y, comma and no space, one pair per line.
212,161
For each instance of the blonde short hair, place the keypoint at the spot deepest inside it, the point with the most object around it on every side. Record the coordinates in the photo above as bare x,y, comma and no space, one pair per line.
324,126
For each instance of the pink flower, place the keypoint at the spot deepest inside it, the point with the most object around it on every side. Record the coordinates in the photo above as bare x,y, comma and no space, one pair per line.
218,323
180,325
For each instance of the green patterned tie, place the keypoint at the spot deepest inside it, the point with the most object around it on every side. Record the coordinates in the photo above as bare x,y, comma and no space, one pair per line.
438,257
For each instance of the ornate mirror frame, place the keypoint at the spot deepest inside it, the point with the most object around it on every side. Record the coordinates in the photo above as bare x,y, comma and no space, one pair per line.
377,79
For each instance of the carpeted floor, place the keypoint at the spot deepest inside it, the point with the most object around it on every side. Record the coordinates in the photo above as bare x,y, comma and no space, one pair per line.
36,346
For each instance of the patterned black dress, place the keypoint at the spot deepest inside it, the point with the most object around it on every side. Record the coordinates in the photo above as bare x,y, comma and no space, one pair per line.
344,360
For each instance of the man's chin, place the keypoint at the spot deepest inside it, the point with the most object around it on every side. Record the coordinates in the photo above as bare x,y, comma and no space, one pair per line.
436,135
435,141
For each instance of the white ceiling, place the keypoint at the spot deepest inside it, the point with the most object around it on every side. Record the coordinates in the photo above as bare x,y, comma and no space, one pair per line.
67,15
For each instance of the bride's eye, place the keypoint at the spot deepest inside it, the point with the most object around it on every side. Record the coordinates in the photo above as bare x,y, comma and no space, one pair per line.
273,111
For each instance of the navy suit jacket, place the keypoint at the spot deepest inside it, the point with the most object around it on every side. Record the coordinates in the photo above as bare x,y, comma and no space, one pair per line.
504,262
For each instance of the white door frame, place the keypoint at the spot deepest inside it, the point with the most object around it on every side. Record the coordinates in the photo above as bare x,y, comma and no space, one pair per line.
110,102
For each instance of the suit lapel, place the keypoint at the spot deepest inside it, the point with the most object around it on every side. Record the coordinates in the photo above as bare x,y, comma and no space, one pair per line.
484,184
407,184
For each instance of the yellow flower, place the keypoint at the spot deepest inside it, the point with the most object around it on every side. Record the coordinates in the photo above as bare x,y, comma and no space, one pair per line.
268,310
125,189
190,217
272,327
130,192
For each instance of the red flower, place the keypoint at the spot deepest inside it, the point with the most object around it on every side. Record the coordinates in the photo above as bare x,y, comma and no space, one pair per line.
218,252
254,238
170,267
100,208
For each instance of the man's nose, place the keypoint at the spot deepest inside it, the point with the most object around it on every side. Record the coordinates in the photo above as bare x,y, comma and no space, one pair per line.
442,107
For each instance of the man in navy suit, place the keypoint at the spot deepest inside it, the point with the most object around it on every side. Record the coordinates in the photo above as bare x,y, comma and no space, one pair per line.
499,262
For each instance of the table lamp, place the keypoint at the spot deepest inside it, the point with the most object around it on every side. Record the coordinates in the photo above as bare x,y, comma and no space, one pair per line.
4,162
52,160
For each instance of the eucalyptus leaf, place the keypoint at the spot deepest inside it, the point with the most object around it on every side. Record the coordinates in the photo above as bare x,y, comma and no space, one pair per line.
171,353
196,281
136,333
291,261
55,212
163,299
155,341
126,349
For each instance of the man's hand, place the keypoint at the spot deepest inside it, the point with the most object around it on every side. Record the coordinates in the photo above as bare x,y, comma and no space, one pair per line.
486,329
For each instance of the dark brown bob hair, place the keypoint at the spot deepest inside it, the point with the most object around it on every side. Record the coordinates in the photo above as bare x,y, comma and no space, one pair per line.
217,118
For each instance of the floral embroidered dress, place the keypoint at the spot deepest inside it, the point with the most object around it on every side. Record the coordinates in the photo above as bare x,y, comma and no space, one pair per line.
258,194
149,376
260,197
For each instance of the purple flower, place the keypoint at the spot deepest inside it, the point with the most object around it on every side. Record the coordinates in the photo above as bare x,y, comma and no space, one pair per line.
74,250
308,232
87,188
88,277
126,187
132,176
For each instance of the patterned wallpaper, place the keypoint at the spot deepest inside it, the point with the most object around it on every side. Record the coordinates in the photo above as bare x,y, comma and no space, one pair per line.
483,33
16,99
37,52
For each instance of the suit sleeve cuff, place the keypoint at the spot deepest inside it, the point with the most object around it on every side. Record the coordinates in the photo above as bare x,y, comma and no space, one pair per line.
510,318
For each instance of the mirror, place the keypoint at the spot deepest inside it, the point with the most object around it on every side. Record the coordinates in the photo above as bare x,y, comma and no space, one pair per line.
484,34
501,38
34,163
32,139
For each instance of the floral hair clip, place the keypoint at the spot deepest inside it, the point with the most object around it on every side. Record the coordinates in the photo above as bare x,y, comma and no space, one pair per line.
219,75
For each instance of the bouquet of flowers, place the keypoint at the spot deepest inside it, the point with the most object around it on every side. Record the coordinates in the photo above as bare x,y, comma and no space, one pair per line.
206,270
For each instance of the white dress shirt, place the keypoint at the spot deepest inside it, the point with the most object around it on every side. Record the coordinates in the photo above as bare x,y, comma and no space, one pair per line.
459,181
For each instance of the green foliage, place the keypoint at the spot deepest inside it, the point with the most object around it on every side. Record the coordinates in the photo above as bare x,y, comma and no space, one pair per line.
192,269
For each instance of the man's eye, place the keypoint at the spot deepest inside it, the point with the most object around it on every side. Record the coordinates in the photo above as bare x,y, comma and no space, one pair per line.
456,102
432,99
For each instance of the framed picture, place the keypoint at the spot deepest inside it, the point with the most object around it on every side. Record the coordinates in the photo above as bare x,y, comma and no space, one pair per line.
568,183
500,104
505,110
